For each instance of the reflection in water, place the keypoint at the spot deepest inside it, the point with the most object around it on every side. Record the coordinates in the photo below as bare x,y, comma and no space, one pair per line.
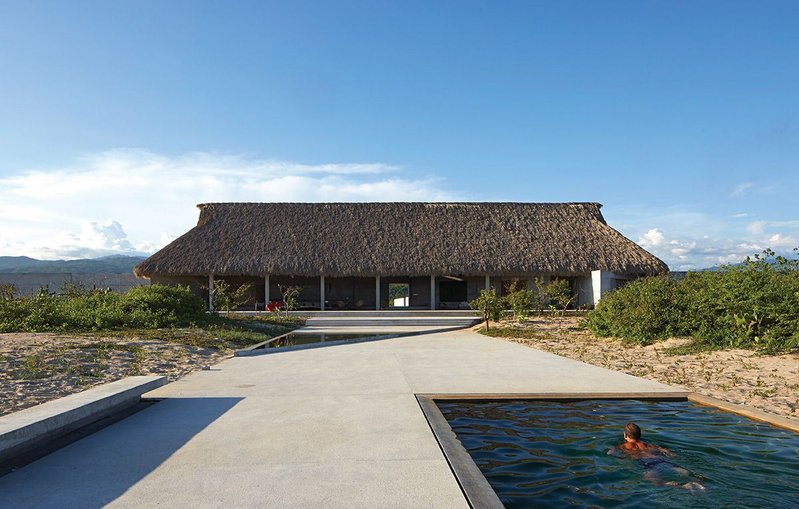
555,454
296,338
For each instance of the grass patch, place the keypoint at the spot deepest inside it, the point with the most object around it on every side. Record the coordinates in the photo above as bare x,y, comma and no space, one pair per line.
33,367
515,332
220,334
102,347
694,347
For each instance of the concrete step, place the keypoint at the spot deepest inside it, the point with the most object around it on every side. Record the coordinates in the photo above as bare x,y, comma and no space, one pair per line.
389,321
393,313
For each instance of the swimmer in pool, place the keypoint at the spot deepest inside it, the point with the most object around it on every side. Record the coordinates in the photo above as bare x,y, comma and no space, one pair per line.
652,459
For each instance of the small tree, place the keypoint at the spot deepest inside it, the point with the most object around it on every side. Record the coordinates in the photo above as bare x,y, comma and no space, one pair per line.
489,305
520,301
540,297
226,298
560,292
290,294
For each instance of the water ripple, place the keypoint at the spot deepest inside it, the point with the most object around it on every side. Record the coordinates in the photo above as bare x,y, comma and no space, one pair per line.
555,454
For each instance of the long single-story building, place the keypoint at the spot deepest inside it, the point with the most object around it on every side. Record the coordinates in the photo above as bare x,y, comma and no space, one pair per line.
398,255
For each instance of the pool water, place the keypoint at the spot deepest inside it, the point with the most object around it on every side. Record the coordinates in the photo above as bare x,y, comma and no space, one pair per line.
295,339
555,454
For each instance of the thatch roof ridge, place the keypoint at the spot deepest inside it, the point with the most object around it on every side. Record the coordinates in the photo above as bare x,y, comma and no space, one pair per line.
400,238
425,203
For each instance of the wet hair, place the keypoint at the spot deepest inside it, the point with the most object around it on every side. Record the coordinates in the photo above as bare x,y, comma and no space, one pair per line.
632,430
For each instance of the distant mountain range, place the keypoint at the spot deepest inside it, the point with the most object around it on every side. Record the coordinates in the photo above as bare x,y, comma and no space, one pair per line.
116,264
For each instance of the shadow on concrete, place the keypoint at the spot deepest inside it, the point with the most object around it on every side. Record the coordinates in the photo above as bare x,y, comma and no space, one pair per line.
93,472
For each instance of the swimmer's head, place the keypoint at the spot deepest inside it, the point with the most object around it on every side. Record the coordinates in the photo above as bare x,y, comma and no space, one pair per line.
632,431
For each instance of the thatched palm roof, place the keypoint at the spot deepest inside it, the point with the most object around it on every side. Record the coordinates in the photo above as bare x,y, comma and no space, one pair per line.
369,239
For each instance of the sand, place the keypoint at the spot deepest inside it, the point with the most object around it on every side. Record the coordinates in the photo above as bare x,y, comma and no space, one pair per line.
35,368
766,382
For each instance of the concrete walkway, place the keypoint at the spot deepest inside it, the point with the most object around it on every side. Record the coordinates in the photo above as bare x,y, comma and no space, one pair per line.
336,426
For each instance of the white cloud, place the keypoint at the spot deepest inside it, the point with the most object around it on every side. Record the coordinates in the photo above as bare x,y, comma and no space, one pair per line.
685,237
756,227
136,201
779,240
652,238
93,240
682,252
747,188
741,189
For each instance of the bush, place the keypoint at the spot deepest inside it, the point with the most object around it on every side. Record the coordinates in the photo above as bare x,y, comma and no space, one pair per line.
153,306
520,300
158,306
490,305
641,311
751,305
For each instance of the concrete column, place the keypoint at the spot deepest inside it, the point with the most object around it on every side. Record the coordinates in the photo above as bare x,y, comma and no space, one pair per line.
432,292
601,282
377,293
210,292
322,288
488,282
266,290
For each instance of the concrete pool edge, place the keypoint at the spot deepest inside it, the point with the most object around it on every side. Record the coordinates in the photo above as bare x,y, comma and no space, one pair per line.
367,336
746,411
473,484
476,488
33,427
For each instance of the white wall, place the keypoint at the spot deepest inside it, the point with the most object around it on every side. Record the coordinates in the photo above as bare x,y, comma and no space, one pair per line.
592,288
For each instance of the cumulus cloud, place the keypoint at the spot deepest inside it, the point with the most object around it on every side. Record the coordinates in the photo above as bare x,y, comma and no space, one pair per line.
686,237
93,240
652,238
136,201
683,252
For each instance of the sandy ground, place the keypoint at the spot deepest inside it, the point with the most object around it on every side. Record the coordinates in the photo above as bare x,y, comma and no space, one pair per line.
767,382
35,368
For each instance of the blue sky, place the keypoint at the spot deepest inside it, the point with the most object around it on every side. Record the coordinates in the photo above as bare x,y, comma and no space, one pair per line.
682,118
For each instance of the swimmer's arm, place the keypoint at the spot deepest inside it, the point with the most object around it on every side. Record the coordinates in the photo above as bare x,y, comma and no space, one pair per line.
666,452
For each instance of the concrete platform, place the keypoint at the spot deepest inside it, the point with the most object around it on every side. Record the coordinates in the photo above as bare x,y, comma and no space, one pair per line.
325,427
29,428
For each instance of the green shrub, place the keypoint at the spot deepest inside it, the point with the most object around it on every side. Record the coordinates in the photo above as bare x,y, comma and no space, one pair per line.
154,306
559,293
490,305
751,305
641,311
520,300
157,306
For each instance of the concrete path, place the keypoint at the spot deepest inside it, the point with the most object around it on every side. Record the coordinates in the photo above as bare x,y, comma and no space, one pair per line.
337,426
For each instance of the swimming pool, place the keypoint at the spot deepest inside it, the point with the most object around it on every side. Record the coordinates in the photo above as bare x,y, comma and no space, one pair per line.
300,339
555,454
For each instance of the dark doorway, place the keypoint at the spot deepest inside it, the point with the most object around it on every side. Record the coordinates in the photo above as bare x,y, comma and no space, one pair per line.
452,292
